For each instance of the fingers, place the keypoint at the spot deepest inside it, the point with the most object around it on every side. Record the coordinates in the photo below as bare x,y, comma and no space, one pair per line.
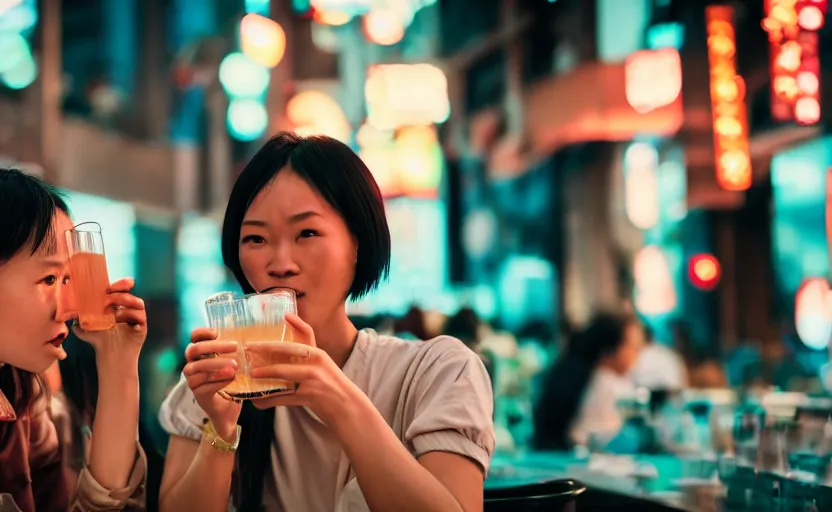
207,376
124,300
196,351
280,348
202,334
205,384
290,399
220,366
132,317
290,372
122,285
303,331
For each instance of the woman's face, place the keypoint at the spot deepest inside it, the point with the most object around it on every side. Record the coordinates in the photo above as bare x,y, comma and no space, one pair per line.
36,303
291,237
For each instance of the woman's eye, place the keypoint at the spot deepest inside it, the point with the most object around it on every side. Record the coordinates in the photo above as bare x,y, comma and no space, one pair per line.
308,233
50,280
254,239
65,280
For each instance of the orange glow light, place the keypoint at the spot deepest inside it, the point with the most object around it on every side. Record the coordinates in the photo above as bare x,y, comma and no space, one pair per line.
332,18
653,79
384,26
262,40
705,271
730,120
406,94
792,27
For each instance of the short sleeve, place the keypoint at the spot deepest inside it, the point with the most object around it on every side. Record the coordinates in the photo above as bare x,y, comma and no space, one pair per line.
180,415
452,403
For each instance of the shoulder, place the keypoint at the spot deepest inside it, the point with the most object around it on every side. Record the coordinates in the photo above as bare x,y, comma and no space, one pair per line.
441,356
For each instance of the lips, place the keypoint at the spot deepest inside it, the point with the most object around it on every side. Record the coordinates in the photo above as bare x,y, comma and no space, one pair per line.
58,340
298,294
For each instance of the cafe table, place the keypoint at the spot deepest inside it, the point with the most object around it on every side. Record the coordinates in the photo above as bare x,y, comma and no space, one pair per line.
640,482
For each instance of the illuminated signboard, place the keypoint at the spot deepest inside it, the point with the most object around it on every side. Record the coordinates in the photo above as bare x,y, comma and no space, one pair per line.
728,110
792,27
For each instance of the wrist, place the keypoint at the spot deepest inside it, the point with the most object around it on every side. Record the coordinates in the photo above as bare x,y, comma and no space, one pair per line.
227,430
117,360
222,441
351,412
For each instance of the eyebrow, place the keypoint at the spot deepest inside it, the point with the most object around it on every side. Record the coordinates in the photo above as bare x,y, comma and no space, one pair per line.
294,218
52,263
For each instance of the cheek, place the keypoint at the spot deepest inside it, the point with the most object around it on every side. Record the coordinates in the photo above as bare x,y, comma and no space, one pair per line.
331,264
254,266
23,310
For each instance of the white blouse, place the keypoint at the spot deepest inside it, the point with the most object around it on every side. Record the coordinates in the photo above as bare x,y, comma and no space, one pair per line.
435,395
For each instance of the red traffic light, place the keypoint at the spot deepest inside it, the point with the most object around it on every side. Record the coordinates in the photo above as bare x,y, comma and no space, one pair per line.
704,271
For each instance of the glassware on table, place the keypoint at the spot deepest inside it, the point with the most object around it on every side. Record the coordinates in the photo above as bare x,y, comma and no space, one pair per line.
88,277
253,318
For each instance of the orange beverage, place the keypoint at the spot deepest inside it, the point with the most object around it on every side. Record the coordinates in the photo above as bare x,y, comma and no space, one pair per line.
89,283
244,386
88,276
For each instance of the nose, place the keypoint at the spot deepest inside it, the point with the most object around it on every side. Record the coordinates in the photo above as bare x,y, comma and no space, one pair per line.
66,310
282,263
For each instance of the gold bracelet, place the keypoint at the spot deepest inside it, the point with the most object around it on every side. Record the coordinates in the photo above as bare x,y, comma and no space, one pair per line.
210,434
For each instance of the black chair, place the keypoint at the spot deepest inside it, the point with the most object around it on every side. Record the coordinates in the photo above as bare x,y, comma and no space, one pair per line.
551,496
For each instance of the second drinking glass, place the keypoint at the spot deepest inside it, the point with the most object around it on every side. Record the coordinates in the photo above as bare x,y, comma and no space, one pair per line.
253,318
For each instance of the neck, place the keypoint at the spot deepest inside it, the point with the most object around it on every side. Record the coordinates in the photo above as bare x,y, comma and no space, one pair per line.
336,337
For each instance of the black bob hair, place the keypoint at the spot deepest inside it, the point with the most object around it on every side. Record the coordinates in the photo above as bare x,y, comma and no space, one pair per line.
338,174
27,207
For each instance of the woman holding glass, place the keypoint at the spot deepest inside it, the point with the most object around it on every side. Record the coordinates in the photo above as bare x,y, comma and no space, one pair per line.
35,306
376,422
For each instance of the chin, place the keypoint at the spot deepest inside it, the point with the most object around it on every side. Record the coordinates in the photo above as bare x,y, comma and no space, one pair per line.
34,366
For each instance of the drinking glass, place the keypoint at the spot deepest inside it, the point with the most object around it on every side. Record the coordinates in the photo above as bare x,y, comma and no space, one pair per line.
89,278
253,318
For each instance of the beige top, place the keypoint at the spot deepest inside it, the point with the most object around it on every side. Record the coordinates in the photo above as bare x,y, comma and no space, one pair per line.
435,395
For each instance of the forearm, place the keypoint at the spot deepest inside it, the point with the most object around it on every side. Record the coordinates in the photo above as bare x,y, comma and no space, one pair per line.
115,427
391,479
206,485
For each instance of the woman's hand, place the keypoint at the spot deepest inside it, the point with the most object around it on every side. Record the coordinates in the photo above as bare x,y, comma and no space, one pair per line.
210,368
125,340
322,386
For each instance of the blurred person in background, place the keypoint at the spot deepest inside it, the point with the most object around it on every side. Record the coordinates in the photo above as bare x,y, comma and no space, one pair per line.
35,306
412,325
659,367
376,422
581,392
704,370
464,325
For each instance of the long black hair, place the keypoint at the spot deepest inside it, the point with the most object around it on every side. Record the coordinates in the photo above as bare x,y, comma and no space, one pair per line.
344,181
27,207
564,386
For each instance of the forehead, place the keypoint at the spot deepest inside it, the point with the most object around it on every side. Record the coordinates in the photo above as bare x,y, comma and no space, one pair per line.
287,195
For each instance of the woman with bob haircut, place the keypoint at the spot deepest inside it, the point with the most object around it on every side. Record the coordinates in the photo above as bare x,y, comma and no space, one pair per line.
377,423
35,307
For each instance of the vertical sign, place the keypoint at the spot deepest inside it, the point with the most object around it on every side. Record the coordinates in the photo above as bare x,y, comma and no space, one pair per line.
792,27
728,110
